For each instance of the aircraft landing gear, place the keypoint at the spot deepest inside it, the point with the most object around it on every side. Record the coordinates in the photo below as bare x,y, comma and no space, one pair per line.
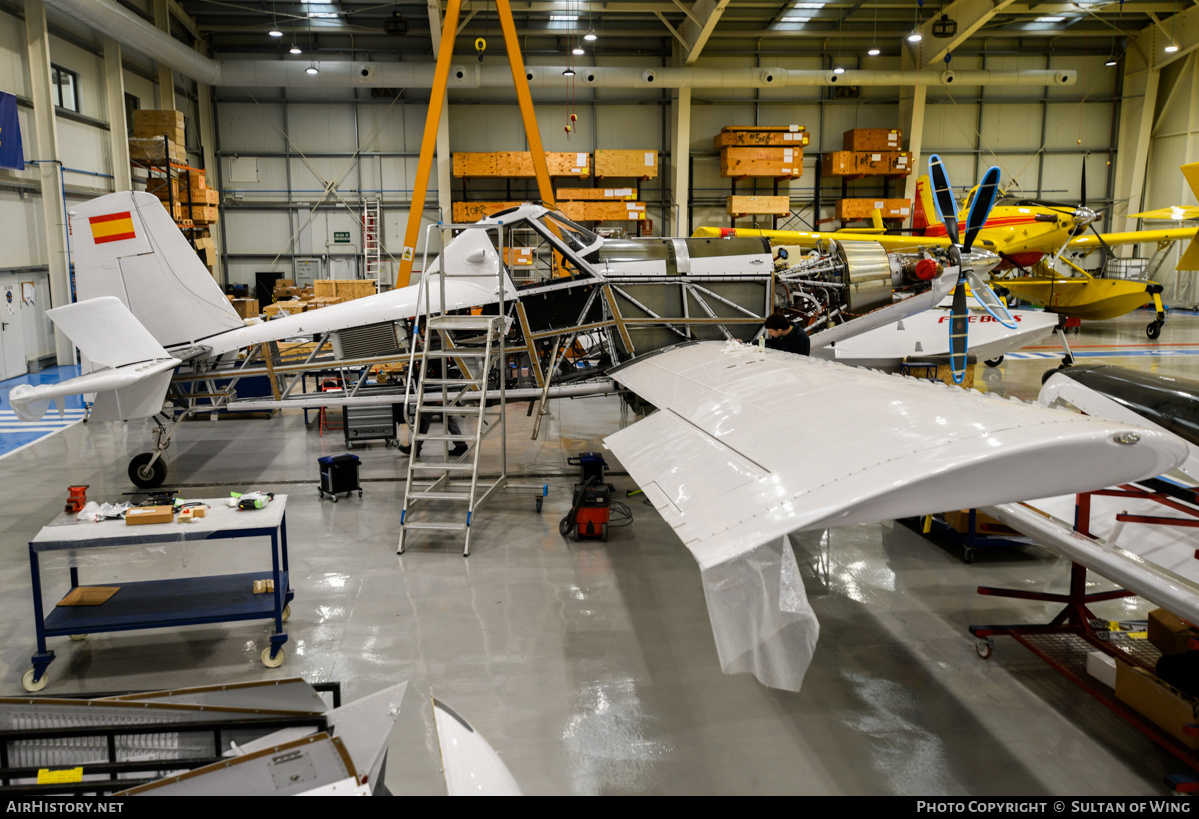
1154,330
994,362
148,470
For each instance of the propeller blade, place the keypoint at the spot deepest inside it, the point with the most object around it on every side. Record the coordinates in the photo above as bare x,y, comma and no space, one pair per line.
1083,203
943,197
980,208
990,302
957,332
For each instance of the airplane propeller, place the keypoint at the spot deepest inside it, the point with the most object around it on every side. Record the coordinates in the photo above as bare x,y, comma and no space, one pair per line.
980,209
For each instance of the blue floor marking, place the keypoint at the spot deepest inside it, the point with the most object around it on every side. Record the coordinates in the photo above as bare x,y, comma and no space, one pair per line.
1107,353
16,434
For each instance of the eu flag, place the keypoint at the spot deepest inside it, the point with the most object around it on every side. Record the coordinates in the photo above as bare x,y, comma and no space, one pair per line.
11,155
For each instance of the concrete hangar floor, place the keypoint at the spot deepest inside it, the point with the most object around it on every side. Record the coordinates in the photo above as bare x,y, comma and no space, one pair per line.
590,667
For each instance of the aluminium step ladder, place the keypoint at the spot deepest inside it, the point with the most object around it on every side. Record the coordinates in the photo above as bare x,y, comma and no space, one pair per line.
441,393
372,255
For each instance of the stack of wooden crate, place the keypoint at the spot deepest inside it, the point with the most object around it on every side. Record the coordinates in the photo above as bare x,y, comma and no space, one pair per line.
600,204
474,211
761,150
344,289
149,128
869,152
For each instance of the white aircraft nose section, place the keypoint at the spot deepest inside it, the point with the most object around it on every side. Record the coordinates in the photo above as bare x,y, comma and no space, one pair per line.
472,767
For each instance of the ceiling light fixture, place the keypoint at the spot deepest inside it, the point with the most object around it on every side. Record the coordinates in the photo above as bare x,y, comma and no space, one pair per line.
1171,48
915,36
874,52
311,69
1111,61
275,32
569,72
838,70
590,36
578,51
295,49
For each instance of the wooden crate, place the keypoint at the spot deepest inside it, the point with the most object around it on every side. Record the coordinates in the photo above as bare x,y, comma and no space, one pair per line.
604,211
758,206
518,256
474,211
246,308
519,164
850,210
786,136
872,139
593,194
202,214
165,189
344,289
761,161
637,163
866,163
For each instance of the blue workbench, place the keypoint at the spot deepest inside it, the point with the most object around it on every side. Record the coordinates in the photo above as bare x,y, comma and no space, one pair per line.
162,603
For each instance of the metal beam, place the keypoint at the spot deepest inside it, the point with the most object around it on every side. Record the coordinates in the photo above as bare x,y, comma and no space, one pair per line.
37,42
444,165
971,15
696,36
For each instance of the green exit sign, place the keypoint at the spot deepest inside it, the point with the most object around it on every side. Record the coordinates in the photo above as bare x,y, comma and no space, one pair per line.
341,237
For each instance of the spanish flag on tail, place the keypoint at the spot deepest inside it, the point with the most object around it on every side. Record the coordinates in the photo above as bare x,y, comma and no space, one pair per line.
112,227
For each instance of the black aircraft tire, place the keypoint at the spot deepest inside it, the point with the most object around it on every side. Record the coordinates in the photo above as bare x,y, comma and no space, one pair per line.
147,476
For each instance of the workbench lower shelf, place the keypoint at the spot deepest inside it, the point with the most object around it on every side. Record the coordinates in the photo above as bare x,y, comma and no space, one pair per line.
171,603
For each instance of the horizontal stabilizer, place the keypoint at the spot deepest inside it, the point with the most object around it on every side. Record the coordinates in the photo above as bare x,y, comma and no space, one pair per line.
106,332
125,392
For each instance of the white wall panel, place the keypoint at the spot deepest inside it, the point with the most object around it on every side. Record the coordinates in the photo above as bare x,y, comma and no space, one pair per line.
314,128
24,239
257,232
247,127
1070,125
1006,127
950,125
85,148
382,127
14,77
487,128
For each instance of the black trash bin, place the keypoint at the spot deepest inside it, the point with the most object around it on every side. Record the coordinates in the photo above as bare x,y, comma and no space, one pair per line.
339,475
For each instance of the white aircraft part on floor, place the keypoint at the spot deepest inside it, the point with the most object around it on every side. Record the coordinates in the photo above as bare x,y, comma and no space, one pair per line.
750,445
1155,562
471,765
126,245
926,334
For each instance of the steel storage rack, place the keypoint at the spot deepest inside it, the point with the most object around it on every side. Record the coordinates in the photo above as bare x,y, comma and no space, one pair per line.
168,602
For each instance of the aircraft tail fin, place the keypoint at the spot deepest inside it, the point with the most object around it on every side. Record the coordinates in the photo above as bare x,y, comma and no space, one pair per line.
1190,257
924,212
1191,172
125,245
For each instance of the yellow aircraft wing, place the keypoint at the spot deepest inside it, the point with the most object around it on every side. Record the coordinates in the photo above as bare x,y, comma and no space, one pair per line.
810,239
1188,261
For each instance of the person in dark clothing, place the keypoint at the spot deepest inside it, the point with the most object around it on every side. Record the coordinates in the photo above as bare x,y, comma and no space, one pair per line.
433,370
782,334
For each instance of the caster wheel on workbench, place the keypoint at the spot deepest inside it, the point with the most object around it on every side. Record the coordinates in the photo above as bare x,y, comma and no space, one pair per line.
984,646
78,637
286,613
268,661
539,506
29,685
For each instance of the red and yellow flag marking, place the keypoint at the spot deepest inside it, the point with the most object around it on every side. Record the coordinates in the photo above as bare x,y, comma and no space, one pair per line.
112,227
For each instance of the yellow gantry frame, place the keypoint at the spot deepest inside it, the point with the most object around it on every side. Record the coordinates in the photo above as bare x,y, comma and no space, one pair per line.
441,75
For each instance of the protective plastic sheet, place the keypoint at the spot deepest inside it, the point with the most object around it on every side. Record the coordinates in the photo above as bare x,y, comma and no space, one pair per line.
760,615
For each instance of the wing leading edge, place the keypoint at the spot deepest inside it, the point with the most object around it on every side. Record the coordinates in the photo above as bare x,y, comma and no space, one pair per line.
753,444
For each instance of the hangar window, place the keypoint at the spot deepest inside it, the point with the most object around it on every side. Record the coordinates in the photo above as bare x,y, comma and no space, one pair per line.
64,88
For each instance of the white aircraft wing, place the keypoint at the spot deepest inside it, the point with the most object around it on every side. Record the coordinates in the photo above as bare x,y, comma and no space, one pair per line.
750,445
134,371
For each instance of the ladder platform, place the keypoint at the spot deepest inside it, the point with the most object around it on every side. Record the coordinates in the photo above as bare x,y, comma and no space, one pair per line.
440,436
463,322
444,527
443,465
451,496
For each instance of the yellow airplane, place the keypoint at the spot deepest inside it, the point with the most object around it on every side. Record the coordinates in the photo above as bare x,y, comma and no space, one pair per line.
1024,232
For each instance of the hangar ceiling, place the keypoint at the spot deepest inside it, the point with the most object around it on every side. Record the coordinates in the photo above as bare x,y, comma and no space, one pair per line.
355,29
